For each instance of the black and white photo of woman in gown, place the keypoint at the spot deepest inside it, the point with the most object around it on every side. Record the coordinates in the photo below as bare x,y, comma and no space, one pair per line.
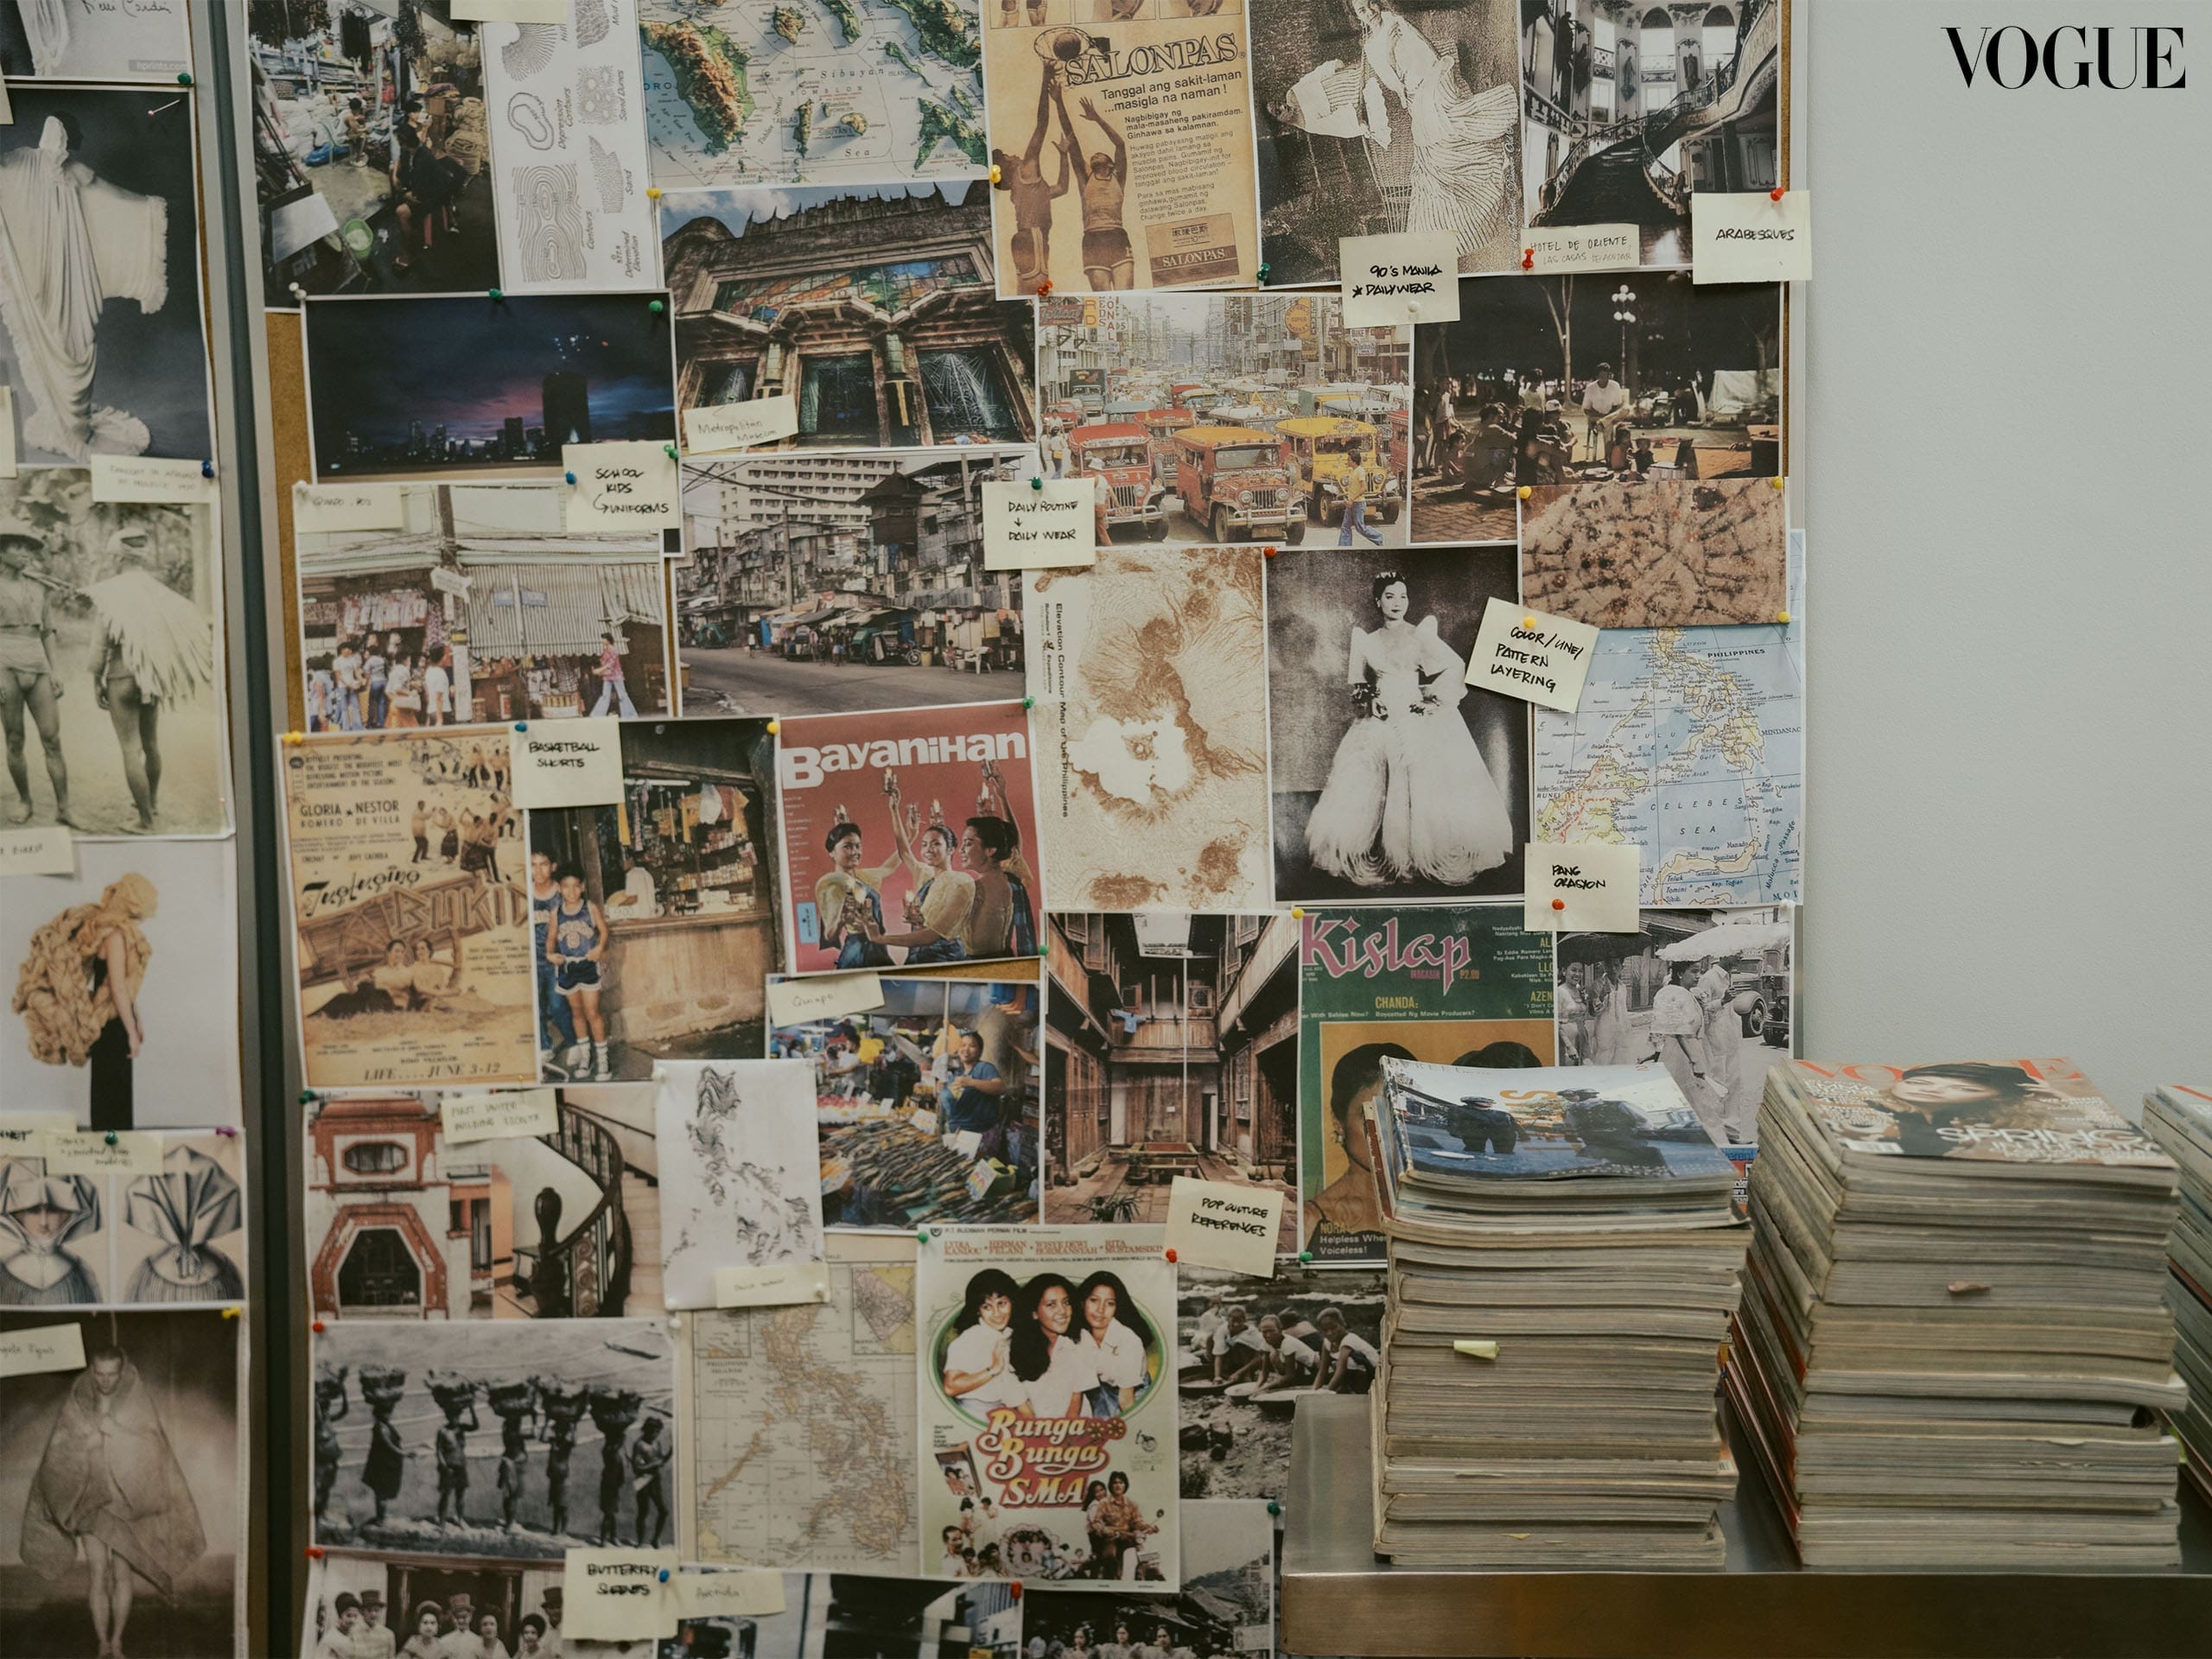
1393,778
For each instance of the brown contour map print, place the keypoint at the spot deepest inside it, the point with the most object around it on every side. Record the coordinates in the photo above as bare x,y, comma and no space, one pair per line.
1662,553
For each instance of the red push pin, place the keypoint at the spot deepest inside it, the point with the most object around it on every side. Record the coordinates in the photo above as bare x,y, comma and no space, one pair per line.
1268,552
1044,287
316,1327
1559,904
1775,194
315,1552
1528,258
1014,1589
1170,1255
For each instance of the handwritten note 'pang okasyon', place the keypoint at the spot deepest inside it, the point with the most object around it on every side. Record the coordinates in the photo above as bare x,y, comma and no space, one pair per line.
1026,528
1220,1224
42,1348
507,1115
618,1595
1405,277
569,763
1527,654
718,427
778,1285
1584,887
1749,237
627,486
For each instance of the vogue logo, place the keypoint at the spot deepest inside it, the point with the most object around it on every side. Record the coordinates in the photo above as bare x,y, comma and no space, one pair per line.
2012,51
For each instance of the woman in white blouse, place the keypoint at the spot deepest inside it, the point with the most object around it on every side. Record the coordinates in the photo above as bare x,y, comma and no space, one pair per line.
1112,1343
1046,1362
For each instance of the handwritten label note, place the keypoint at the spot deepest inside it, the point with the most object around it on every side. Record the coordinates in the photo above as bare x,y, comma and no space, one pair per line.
1028,529
499,1116
20,1131
1406,276
7,398
746,1593
793,1001
1219,1224
630,485
38,849
1751,237
86,1151
617,1595
320,507
149,478
1586,888
1562,248
569,763
43,1348
1530,655
739,426
776,1285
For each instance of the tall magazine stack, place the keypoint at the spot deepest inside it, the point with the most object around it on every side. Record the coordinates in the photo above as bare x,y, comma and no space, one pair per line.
2180,1119
1953,1342
1564,1263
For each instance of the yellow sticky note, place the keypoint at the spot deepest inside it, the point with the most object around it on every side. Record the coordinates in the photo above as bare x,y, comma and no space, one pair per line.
627,486
87,1152
1560,250
1026,528
43,1348
739,426
743,1592
822,996
1531,655
567,763
149,478
1403,276
40,850
321,507
778,1285
1221,1224
1749,237
1588,886
618,1595
503,1115
1474,1350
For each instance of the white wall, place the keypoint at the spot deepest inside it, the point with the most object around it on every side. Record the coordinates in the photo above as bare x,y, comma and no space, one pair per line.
2008,405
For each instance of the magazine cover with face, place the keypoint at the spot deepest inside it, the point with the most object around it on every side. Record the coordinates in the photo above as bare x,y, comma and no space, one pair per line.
2001,1111
1048,1400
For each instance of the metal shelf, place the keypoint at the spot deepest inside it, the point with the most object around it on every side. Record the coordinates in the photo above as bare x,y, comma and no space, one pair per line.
1338,1598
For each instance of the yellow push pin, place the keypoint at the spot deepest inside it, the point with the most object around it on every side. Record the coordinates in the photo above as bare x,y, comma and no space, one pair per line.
1782,617
994,172
652,193
230,1312
1524,492
1775,481
1527,621
775,726
1297,910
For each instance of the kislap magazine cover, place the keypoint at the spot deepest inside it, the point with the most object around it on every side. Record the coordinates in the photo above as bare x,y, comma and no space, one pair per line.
1048,1405
1445,985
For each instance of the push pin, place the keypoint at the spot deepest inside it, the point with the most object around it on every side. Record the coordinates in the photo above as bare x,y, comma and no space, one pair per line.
1305,1255
206,469
567,478
316,1327
669,449
995,173
1044,287
307,1097
230,1312
1524,492
1782,617
298,293
112,1137
1559,904
1263,274
497,297
656,306
315,1552
921,1235
1274,1508
1775,194
228,1131
775,726
1267,552
1014,1589
1527,621
652,193
1029,702
290,737
1528,258
1044,951
675,1322
522,725
184,77
1776,480
1297,910
1038,482
664,1575
1169,1253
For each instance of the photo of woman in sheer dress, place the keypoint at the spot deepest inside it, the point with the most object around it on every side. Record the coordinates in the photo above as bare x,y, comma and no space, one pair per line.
1393,778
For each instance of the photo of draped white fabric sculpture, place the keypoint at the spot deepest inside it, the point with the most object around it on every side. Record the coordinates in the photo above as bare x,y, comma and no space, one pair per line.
102,345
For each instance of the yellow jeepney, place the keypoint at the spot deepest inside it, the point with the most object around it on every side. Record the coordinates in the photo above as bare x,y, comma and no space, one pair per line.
1319,448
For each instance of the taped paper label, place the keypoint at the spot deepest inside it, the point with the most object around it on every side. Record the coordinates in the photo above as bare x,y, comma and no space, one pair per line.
149,478
1751,237
43,1348
44,850
1532,656
794,1002
629,486
516,1113
323,507
739,426
776,1285
1588,886
618,1595
746,1593
1559,251
86,1151
1220,1224
569,763
1028,529
512,11
1405,277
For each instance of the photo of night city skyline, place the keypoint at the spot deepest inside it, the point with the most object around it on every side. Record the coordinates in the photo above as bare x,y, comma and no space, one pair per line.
464,385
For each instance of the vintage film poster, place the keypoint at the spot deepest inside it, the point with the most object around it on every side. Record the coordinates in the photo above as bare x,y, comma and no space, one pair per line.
354,205
785,95
1047,1401
1735,966
880,809
88,42
741,1189
1377,117
1449,986
452,386
569,153
1250,1349
100,214
1170,1050
175,1235
1551,380
119,713
873,306
414,943
487,586
429,1603
1122,133
1210,418
403,1223
816,584
1226,1605
1151,749
155,1410
123,1011
681,873
574,1432
1629,109
926,1104
801,1431
1675,553
1392,778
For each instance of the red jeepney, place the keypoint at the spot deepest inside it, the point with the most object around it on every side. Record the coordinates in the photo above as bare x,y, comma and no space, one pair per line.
1120,456
1160,425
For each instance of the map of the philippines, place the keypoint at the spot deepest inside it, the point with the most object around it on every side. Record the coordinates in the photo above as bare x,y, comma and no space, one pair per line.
1690,742
812,91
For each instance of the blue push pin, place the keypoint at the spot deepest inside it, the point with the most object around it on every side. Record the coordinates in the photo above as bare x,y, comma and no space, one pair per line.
664,1575
570,477
206,469
522,725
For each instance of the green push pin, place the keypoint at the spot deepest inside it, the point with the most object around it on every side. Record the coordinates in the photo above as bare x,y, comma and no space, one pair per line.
656,307
921,1235
112,1137
1044,950
1305,1256
1037,483
307,1097
184,77
669,450
1274,1508
1029,702
497,295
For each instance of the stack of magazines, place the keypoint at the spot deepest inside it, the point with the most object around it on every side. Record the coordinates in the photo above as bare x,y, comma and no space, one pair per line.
1564,1261
1953,1342
2180,1120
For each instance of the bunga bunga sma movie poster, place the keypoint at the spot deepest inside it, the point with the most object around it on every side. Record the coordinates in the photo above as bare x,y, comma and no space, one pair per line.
1048,1400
